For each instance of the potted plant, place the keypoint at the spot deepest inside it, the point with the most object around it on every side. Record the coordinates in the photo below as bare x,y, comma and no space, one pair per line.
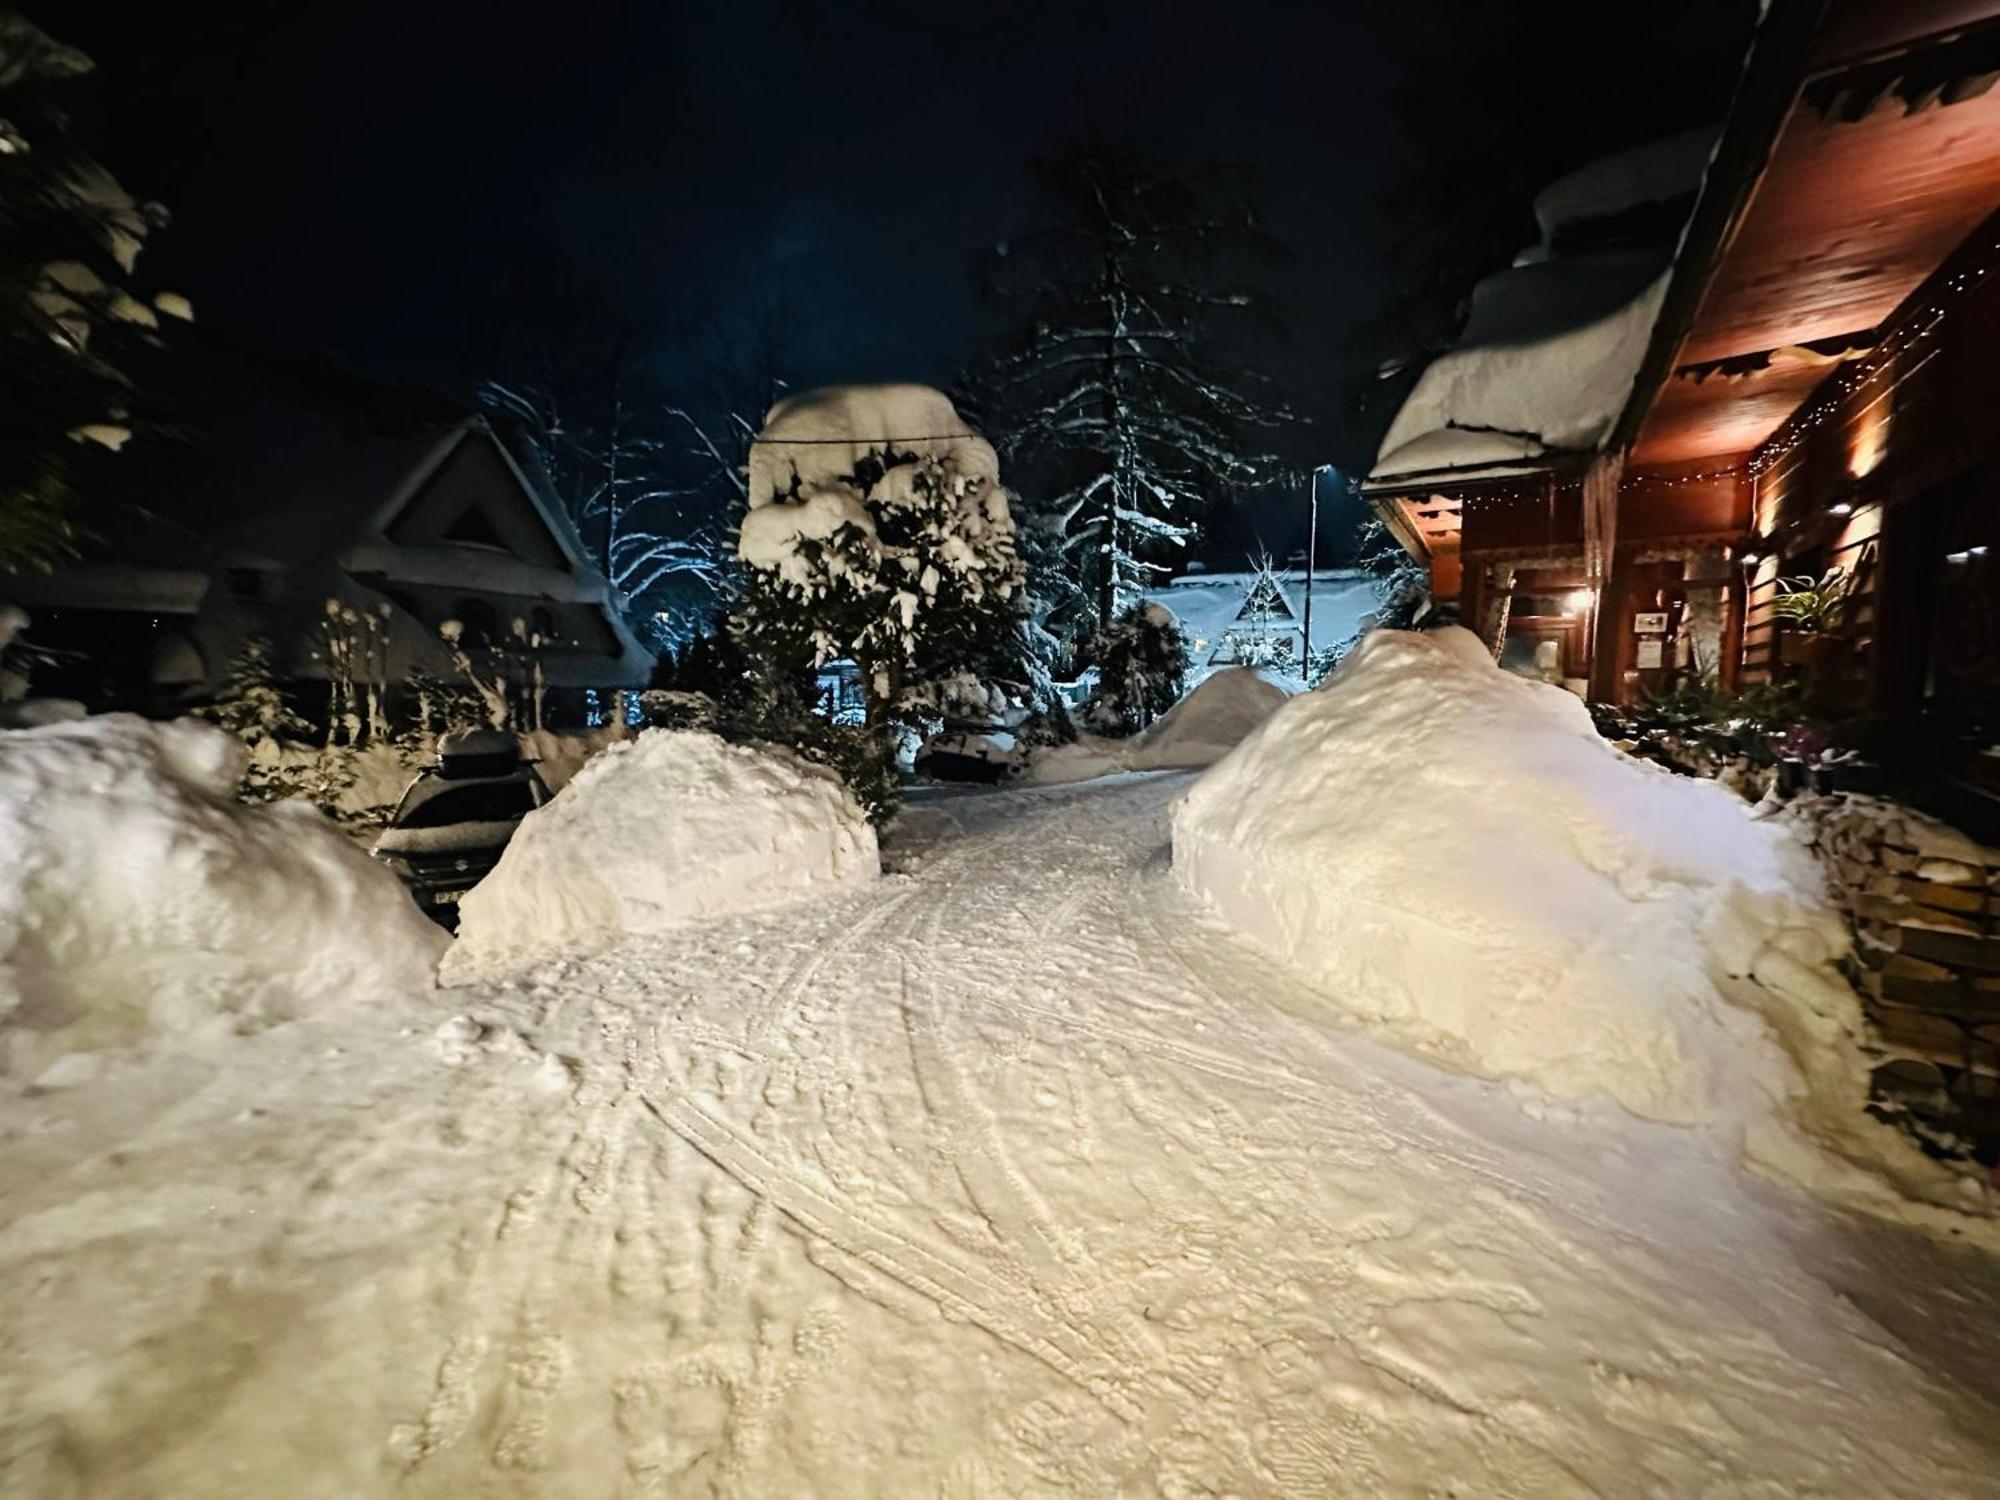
1807,609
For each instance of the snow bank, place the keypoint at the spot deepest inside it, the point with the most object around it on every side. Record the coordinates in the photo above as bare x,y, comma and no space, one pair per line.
1453,852
139,898
1197,731
1210,721
559,754
671,827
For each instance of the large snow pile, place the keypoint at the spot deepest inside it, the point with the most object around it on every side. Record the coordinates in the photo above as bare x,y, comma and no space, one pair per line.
138,897
1197,731
1452,851
1210,721
671,827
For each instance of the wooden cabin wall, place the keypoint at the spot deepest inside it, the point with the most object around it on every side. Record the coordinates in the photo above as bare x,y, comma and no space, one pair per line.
1922,419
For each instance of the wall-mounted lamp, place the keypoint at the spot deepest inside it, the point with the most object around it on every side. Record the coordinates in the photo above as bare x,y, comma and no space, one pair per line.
1840,508
1750,559
1575,602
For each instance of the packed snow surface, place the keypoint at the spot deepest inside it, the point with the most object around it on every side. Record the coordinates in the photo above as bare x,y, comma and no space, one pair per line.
1010,1174
665,829
1455,853
139,898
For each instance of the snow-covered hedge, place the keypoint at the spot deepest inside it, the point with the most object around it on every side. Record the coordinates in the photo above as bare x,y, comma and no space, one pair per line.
671,827
138,897
1453,852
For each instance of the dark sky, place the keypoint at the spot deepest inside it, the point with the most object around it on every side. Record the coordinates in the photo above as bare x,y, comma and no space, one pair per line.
395,182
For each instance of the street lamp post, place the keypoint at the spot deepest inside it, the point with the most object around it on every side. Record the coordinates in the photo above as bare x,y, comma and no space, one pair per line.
1312,562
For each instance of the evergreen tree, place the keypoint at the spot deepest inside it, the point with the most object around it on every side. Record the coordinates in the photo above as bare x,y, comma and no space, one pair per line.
905,564
1120,403
250,705
69,238
1142,666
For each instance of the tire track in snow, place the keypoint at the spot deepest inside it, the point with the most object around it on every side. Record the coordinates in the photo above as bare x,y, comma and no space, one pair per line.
959,1292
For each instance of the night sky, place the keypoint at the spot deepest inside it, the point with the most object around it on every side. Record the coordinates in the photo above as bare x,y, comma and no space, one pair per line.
394,183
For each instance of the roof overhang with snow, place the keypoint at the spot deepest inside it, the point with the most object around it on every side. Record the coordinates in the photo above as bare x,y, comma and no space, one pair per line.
1863,150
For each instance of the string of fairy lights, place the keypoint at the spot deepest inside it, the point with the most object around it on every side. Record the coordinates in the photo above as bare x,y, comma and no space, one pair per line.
1826,403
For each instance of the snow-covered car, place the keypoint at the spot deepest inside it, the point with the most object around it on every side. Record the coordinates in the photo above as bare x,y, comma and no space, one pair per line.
991,755
453,821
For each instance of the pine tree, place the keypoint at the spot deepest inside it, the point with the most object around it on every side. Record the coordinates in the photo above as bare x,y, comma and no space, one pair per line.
1142,666
905,564
69,238
1119,404
250,705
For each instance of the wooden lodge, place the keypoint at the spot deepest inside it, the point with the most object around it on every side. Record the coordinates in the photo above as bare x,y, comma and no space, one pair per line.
1806,386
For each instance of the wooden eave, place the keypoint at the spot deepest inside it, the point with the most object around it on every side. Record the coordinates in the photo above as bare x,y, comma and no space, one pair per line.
1863,148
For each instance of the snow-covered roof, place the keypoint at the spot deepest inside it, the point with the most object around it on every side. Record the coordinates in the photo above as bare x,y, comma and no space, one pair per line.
1615,185
1552,344
1207,606
1496,403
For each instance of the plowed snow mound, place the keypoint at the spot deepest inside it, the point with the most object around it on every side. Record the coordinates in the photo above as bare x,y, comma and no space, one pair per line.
138,897
1454,853
1197,731
672,827
1209,722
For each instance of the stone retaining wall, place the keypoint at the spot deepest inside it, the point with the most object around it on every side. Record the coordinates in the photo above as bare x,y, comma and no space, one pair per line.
1924,905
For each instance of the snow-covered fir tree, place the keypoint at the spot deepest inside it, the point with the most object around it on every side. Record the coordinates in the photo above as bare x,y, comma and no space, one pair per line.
1113,390
878,531
250,705
1142,666
1402,584
69,241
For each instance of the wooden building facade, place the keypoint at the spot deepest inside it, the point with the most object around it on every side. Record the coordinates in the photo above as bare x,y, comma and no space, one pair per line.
1814,395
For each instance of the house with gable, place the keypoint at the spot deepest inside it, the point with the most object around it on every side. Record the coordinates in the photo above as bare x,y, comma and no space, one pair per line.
352,526
1256,616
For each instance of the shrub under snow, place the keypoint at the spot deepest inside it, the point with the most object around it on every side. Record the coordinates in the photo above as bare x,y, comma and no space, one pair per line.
1453,852
138,897
674,826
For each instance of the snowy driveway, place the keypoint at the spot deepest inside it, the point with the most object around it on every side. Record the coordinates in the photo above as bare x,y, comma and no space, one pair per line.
1008,1176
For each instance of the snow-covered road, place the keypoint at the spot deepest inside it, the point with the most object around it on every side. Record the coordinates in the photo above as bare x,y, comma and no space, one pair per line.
1012,1175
